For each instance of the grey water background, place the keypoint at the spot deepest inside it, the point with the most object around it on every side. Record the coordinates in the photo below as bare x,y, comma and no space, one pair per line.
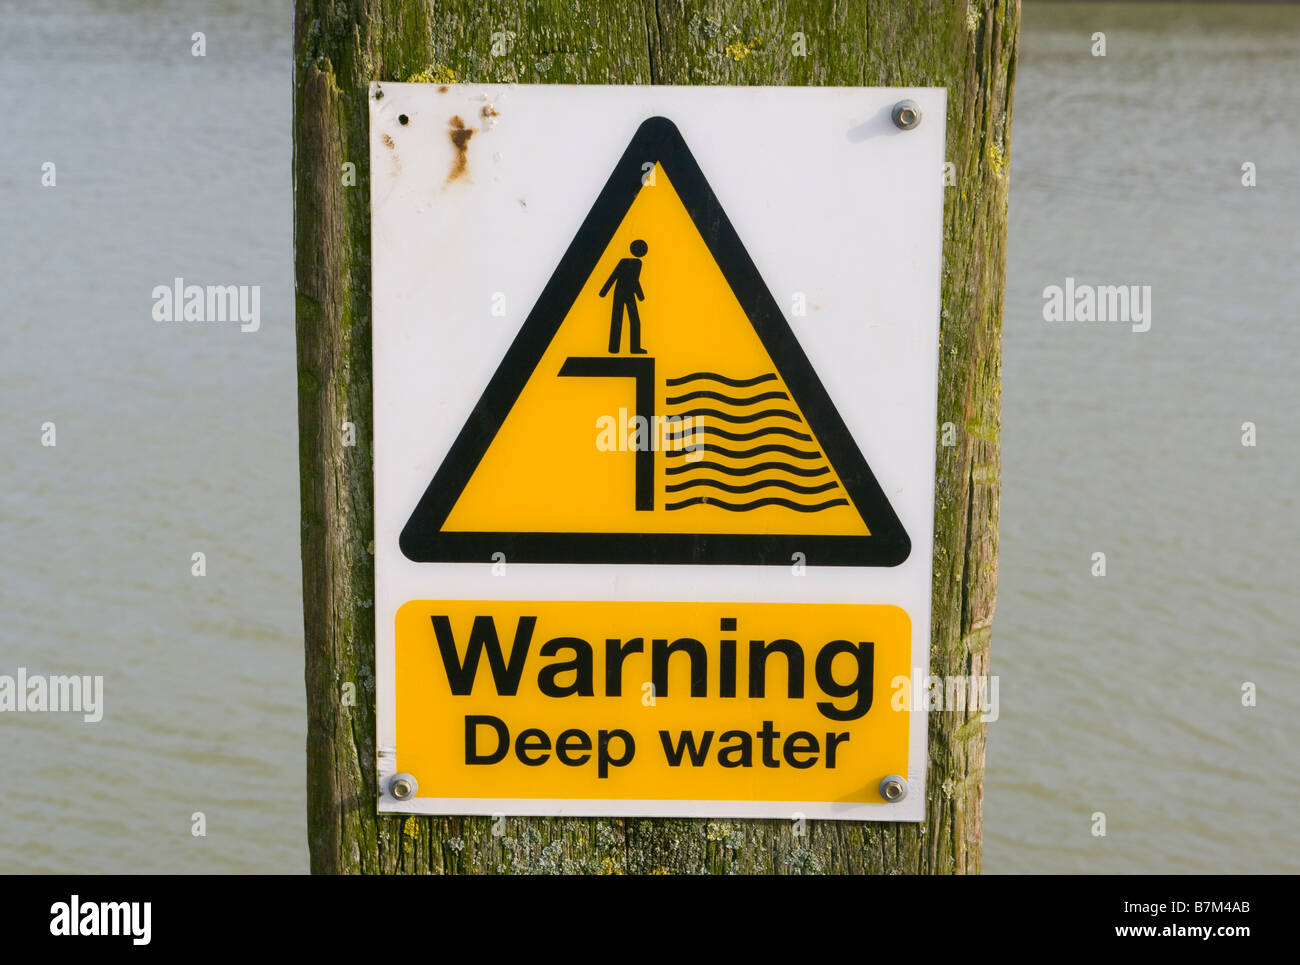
1119,694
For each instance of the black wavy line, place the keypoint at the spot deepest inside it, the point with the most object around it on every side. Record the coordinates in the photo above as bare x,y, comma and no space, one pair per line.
714,376
750,417
730,400
749,470
743,453
756,504
750,487
741,436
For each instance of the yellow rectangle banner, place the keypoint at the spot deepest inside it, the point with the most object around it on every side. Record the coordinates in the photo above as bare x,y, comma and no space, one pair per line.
651,701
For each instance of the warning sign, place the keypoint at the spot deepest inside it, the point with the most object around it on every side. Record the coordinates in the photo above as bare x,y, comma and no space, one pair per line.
655,392
654,411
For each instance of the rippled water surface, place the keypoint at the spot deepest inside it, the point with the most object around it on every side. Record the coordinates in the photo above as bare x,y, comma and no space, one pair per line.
1119,694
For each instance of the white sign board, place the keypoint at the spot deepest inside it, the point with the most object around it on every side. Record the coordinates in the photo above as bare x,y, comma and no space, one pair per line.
654,428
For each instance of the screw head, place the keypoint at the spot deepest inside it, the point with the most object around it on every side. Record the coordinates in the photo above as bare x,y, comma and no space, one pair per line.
403,786
893,789
906,115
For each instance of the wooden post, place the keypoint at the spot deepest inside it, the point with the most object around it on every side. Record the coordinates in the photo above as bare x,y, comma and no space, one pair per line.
342,45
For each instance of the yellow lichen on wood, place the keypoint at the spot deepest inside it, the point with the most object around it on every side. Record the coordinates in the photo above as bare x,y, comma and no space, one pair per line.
433,74
738,50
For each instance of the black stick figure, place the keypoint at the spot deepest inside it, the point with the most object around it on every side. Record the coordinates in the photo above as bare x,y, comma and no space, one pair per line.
626,280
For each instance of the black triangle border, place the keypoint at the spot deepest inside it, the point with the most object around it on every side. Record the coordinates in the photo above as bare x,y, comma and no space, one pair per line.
657,139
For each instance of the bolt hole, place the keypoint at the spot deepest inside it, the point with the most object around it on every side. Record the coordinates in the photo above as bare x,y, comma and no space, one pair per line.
379,95
403,119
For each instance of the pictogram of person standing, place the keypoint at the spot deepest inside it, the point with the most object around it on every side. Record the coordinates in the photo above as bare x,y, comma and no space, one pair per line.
626,281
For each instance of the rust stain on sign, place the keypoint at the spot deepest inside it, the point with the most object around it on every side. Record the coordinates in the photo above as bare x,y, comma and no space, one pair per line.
460,135
388,143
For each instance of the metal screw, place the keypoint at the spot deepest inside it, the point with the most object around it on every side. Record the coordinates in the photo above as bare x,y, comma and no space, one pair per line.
893,789
906,115
403,786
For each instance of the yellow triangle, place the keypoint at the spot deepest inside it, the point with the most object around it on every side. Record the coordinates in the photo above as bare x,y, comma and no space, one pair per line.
564,459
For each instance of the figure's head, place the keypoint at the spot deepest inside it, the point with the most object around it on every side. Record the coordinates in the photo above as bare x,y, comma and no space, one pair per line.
639,248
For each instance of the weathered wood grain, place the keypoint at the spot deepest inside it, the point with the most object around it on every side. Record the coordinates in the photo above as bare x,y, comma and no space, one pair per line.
342,45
